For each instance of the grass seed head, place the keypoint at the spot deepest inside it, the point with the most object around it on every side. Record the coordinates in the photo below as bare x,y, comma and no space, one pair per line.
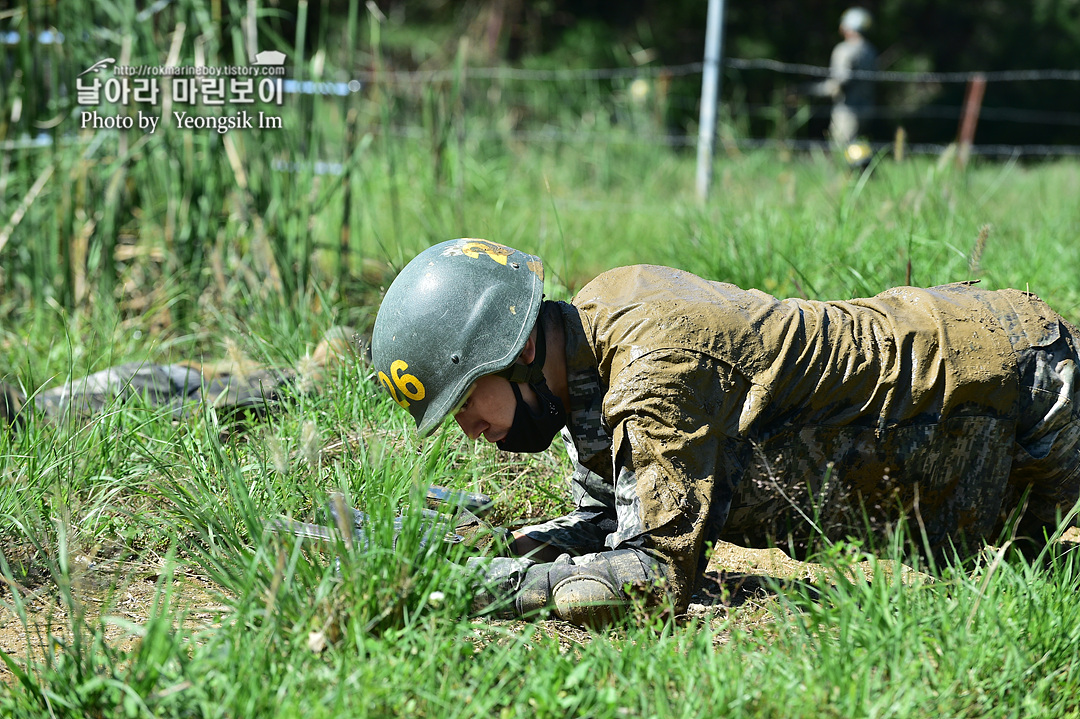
310,444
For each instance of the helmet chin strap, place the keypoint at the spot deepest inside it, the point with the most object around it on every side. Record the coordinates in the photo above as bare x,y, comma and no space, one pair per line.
532,373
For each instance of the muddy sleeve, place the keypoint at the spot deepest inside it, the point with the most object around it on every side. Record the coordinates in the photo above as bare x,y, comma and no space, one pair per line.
675,416
676,465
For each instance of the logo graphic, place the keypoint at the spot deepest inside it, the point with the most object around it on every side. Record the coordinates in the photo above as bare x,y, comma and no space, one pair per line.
98,66
269,57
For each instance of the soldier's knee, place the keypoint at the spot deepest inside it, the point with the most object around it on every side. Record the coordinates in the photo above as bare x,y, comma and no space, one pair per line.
587,600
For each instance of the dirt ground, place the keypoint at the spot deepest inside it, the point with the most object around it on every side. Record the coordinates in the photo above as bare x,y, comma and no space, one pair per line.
126,591
738,581
102,588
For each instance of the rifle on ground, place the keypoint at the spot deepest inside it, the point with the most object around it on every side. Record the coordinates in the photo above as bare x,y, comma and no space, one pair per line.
465,511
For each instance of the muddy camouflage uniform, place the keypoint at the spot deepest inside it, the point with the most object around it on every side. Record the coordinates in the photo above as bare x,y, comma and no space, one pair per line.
181,389
700,411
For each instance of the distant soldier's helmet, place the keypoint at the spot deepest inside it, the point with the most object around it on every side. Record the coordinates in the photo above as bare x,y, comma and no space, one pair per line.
856,19
459,310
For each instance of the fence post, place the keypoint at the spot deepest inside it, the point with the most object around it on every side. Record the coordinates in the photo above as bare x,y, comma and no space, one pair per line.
710,92
969,117
251,29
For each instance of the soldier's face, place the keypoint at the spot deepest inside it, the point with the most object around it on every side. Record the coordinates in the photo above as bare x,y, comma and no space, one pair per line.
489,408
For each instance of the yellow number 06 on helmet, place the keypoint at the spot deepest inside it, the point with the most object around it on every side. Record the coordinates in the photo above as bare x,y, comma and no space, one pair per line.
408,384
459,310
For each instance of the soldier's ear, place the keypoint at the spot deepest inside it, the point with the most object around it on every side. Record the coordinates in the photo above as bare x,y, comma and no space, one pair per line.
528,352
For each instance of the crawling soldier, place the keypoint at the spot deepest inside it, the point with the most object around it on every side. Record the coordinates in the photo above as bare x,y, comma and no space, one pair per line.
696,411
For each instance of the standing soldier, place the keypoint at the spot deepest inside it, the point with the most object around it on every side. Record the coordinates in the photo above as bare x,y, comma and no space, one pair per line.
852,95
696,411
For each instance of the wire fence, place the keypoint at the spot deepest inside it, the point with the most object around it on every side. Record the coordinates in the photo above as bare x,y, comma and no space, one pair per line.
631,96
515,87
695,68
892,76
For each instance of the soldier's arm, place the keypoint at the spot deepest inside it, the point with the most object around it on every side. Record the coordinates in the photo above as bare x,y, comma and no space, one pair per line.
583,531
839,73
672,496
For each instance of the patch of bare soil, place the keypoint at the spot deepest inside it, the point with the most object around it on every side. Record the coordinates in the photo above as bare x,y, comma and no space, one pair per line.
740,585
124,590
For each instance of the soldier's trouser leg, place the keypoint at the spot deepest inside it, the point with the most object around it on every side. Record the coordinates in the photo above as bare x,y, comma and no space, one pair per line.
1046,458
843,126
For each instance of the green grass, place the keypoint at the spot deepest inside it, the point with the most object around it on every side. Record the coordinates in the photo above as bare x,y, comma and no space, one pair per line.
159,251
132,489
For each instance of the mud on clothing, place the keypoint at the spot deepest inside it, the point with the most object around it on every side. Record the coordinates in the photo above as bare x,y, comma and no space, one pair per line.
700,411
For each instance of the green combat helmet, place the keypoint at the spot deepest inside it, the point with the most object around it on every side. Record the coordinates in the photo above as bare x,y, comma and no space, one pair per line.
459,310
